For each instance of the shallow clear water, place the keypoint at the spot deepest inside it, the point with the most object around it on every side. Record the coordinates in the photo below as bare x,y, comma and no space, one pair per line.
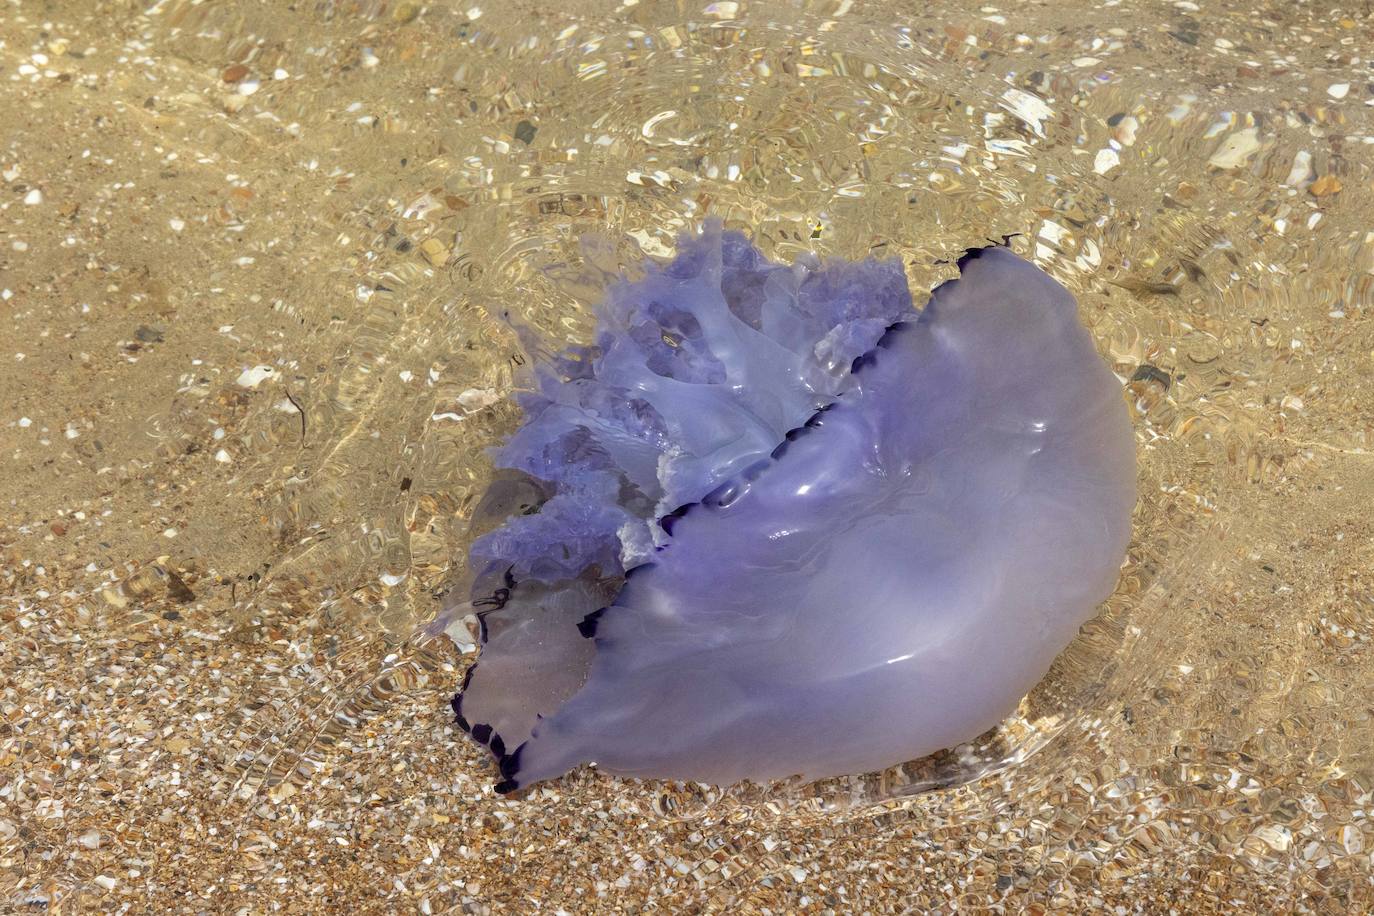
213,574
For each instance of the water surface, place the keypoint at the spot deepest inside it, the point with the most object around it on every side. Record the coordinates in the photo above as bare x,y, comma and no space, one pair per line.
251,261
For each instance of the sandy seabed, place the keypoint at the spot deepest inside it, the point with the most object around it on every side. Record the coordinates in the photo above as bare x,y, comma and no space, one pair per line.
249,256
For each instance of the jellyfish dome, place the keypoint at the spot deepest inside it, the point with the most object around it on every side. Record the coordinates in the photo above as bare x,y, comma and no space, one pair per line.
773,522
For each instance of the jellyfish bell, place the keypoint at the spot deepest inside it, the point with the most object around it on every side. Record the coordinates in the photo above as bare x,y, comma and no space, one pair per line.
872,565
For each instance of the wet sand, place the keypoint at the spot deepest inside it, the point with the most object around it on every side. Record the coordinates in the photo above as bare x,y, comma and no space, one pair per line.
252,261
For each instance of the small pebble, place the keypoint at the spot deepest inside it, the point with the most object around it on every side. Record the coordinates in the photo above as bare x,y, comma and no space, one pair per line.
1301,172
1236,149
435,252
1124,132
477,398
1325,186
254,376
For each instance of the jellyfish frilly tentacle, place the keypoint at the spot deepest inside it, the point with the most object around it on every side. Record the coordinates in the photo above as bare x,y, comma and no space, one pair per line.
888,576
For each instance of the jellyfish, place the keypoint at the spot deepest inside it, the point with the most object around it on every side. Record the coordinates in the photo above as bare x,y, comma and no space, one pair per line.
773,522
